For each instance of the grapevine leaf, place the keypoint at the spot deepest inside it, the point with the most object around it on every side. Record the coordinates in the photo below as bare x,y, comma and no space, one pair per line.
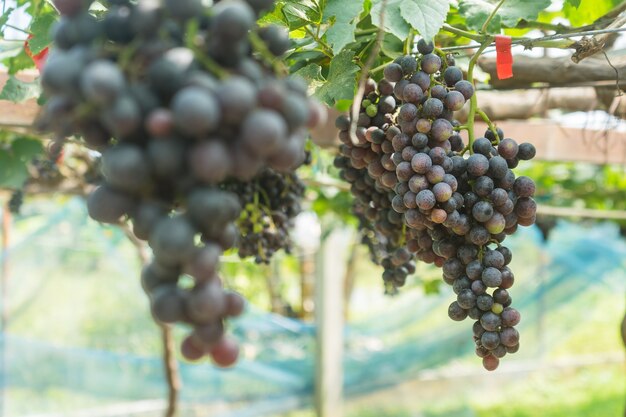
341,81
18,91
300,13
425,16
40,29
573,3
392,46
476,12
4,19
276,17
10,49
587,11
393,21
345,15
312,73
18,61
26,148
13,171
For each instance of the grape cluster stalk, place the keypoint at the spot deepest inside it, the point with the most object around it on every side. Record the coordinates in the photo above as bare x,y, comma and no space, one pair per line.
422,194
192,116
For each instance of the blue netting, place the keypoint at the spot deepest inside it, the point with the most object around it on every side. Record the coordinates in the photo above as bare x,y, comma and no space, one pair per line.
411,334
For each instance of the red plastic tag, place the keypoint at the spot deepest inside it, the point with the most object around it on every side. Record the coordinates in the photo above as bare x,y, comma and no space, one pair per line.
40,58
504,60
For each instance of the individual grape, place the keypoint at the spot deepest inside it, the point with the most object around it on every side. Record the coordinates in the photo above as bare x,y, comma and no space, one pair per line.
441,130
492,277
421,163
432,107
421,79
492,137
393,72
496,224
498,167
456,312
435,174
490,339
509,337
482,146
477,165
525,207
276,39
478,287
474,269
491,363
196,112
510,317
412,93
490,321
452,75
424,125
483,186
466,299
263,131
398,89
426,200
430,63
167,304
438,91
404,171
190,350
482,211
466,88
454,100
524,187
526,151
407,112
425,47
442,192
461,284
102,82
508,148
224,353
107,205
408,64
125,168
484,302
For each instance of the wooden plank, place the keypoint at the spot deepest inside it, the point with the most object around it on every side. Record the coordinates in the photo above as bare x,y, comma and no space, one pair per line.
18,114
329,314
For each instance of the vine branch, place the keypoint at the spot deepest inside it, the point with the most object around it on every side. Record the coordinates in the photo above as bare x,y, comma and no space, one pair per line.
172,372
354,114
483,29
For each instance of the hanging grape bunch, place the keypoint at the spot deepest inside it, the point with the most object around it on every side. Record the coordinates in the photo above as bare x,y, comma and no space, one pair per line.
436,200
183,101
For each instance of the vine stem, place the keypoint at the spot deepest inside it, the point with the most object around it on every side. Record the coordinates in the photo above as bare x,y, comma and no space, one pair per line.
170,363
354,114
326,49
492,127
483,29
474,99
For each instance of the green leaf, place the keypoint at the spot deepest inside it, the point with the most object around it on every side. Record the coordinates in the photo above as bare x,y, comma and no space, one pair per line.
588,11
302,12
425,16
25,148
10,49
312,73
394,23
392,46
17,91
18,62
476,12
276,17
5,18
345,15
40,29
341,81
13,171
573,3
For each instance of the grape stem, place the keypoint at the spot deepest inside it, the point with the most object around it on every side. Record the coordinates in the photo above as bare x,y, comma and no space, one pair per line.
326,49
483,29
261,48
474,99
169,356
492,127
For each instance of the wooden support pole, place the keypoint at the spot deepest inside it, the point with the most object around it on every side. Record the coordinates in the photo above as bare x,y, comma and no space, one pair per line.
329,301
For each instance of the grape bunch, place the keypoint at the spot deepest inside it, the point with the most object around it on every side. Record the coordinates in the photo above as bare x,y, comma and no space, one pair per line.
270,205
433,198
182,100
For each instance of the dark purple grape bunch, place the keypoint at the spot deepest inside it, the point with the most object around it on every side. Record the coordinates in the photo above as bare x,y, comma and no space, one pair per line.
180,105
445,205
271,203
481,282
